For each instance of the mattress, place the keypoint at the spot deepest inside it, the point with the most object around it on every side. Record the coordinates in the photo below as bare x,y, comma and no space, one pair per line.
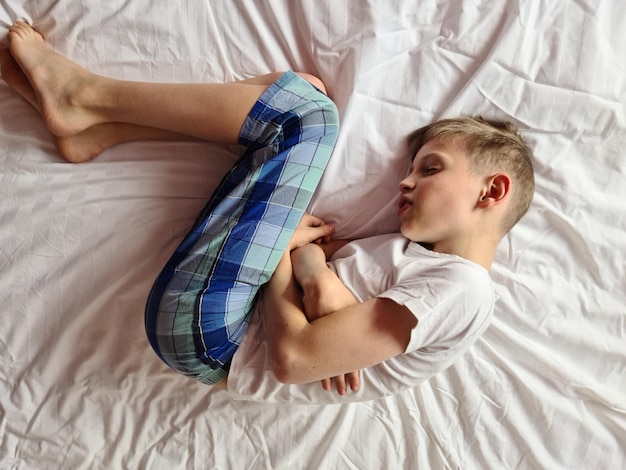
80,245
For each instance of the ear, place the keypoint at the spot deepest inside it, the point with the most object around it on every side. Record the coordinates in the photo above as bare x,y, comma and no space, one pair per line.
497,188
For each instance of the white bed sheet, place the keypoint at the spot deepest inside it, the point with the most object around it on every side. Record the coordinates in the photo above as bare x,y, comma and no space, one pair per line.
81,244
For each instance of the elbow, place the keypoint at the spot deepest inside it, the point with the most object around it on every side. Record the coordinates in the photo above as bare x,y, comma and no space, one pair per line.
285,366
283,375
282,366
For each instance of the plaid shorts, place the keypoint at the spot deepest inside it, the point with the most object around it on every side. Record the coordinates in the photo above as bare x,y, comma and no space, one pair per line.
201,303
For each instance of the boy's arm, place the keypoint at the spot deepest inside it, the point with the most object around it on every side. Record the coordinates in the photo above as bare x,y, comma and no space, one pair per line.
352,338
323,291
332,246
323,294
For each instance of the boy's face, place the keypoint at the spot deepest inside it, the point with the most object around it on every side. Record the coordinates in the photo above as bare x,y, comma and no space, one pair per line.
439,198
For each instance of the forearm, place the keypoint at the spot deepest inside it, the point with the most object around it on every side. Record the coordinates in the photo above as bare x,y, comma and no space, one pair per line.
284,318
324,292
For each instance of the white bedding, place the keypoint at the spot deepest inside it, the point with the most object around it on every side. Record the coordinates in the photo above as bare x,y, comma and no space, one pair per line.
80,245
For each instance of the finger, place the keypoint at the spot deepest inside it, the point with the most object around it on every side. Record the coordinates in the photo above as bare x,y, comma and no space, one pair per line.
340,384
312,221
326,239
354,378
325,231
326,384
318,234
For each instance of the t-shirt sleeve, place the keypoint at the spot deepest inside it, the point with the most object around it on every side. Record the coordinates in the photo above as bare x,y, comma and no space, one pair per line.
452,302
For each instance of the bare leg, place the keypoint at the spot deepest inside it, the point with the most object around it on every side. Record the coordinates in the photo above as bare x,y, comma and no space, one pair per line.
72,99
64,115
89,143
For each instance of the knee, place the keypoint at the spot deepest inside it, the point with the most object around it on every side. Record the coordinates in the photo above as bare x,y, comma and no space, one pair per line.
313,80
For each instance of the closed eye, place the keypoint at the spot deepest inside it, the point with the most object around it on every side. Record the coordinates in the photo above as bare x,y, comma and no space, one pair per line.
431,170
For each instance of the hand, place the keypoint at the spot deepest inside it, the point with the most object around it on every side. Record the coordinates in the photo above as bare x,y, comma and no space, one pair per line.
311,230
352,378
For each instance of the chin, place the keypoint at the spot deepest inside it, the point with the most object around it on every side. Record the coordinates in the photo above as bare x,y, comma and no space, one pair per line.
407,234
415,237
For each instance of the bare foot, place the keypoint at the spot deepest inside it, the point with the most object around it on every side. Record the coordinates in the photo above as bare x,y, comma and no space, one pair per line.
78,148
88,144
59,84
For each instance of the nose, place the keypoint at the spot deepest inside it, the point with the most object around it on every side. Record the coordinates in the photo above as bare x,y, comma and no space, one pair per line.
407,184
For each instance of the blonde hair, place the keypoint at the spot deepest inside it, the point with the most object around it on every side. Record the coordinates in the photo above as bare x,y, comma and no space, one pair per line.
491,145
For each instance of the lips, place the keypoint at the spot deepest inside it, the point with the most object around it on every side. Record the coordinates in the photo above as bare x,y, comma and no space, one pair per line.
403,205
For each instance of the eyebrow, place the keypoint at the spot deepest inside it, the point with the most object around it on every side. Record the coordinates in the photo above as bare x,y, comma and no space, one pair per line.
431,155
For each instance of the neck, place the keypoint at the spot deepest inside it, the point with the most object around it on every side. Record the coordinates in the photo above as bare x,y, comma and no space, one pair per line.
481,251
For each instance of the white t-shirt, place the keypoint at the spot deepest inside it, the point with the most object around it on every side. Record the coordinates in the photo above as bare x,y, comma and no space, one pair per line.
451,297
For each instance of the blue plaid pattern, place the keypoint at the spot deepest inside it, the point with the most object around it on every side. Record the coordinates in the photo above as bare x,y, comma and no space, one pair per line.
200,305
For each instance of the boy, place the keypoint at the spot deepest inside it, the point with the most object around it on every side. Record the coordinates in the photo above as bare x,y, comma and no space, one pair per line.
471,181
429,296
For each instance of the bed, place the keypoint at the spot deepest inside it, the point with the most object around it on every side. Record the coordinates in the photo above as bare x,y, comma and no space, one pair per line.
80,245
